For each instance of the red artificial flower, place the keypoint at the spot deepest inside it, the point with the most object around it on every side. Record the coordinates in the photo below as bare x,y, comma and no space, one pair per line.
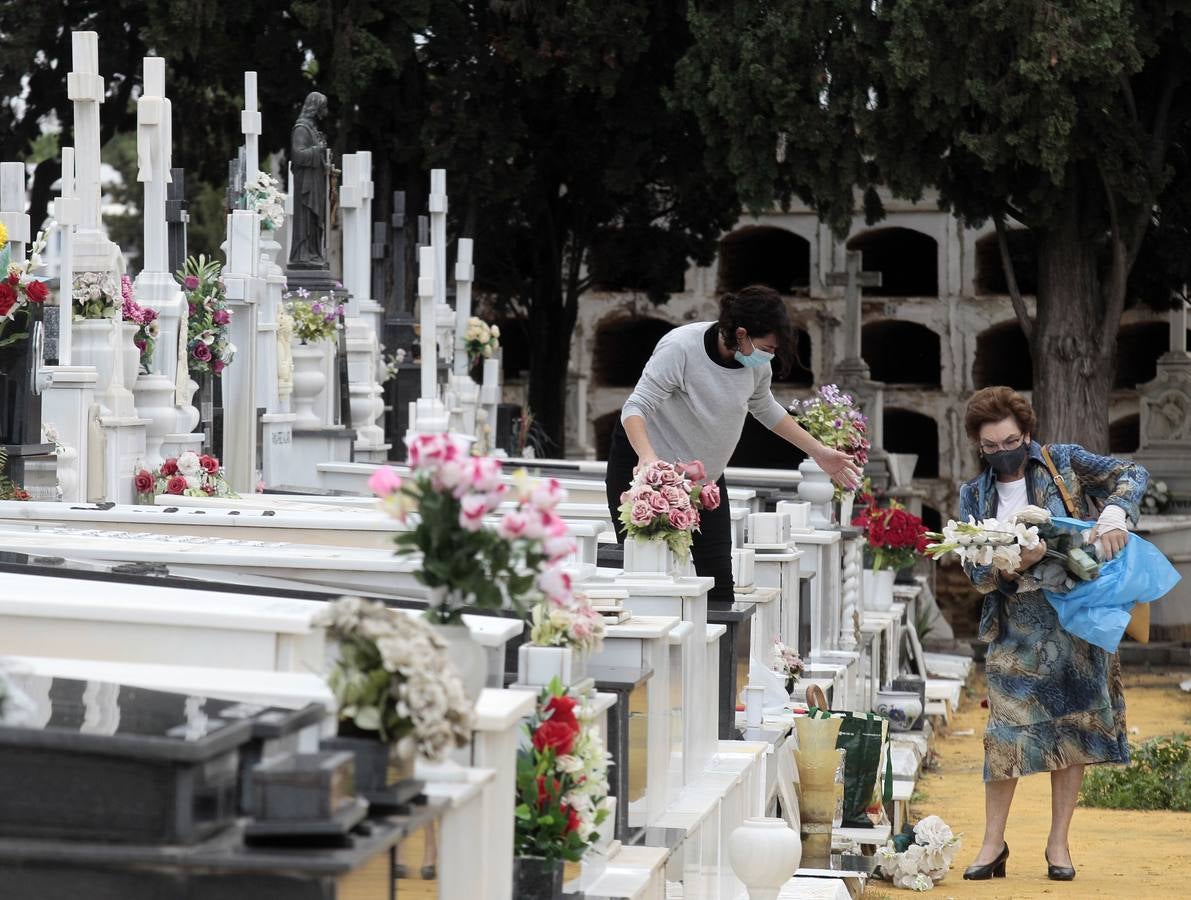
14,280
573,820
36,291
20,494
143,482
8,298
176,485
556,736
543,793
209,463
562,709
169,467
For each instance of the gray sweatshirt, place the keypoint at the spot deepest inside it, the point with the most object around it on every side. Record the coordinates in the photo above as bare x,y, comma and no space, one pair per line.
693,407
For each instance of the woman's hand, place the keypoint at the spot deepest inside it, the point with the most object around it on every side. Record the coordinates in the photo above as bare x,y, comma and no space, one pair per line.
1109,543
840,466
1032,557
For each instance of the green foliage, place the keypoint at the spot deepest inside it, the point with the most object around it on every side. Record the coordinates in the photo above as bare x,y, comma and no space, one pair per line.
362,687
1158,778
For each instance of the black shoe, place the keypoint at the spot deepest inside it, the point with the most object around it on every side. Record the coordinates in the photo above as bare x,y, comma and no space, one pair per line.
1058,873
994,869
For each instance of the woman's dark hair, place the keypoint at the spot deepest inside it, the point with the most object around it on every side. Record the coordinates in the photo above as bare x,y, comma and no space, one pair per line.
993,404
759,310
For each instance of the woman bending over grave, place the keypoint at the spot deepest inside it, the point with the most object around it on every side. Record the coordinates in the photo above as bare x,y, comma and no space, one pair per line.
690,403
1055,702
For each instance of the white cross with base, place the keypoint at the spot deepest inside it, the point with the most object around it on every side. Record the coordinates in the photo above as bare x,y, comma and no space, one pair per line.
250,126
853,278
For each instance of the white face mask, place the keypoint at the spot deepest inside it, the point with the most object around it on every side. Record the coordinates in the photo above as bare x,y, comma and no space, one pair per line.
755,359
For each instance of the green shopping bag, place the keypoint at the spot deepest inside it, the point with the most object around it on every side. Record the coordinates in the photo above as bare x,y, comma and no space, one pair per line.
863,737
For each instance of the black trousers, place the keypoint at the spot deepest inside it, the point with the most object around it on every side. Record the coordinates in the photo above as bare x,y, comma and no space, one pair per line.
711,550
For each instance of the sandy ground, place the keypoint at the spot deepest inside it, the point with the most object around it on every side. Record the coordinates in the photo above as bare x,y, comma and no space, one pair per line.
1116,853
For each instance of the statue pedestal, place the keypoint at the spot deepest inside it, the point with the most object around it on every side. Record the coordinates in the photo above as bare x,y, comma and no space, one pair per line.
1166,424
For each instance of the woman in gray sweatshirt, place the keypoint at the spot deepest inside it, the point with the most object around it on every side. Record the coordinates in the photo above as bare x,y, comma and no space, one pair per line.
690,403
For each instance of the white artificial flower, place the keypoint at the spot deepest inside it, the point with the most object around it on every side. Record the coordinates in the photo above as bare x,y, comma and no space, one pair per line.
188,463
933,833
1032,515
569,764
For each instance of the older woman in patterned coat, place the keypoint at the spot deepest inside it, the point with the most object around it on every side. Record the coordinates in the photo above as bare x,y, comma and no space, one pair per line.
1055,701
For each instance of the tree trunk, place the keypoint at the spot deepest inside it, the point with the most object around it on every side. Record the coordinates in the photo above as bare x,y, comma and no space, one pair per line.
1073,346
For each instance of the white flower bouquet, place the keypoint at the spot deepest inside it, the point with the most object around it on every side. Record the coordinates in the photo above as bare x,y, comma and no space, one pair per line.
481,340
919,857
566,619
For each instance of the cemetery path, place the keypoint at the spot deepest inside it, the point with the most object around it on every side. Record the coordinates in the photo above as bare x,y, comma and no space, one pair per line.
1117,853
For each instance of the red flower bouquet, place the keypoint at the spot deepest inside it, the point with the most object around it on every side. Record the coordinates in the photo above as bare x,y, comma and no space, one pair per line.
895,537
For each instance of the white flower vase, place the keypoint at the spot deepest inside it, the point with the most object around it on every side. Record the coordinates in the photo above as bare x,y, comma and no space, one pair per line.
92,346
155,401
469,658
646,557
877,585
901,708
538,666
309,381
764,854
130,356
817,489
846,503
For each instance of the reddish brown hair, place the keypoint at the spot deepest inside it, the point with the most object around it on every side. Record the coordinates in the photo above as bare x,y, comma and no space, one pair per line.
992,404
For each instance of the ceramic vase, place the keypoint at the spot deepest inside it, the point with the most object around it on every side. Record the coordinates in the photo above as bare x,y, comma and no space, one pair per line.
155,401
538,666
901,708
877,585
645,557
764,854
309,382
469,658
847,501
817,489
92,346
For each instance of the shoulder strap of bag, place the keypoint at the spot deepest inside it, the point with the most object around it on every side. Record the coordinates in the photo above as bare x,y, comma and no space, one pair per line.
1068,502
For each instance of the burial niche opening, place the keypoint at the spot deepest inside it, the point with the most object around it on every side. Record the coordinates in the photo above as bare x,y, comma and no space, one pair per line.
990,274
1124,435
900,352
1138,347
1003,357
907,431
932,518
602,428
764,254
622,347
908,261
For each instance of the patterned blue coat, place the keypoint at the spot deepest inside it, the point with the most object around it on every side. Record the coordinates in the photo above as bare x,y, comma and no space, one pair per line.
1054,699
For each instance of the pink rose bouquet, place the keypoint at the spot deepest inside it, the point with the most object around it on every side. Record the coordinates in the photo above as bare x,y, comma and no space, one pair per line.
664,501
482,555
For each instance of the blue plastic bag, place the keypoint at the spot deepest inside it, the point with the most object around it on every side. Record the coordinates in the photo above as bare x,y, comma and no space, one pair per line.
1098,610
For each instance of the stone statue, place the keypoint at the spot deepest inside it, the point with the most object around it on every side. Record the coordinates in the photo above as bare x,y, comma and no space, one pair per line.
308,160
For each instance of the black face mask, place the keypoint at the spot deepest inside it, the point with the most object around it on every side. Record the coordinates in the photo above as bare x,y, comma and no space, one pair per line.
1007,462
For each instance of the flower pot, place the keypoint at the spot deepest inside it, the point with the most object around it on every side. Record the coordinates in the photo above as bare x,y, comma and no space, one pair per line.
537,878
797,514
766,528
382,777
877,587
901,468
130,356
820,800
901,708
538,666
744,567
155,401
468,658
845,507
647,557
764,854
817,489
91,345
309,382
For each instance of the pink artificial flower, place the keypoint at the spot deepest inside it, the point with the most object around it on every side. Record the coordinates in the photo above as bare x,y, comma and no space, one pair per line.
482,473
694,470
677,519
642,513
558,547
672,493
495,497
710,496
450,477
218,366
201,352
221,317
669,476
581,629
548,494
658,503
384,481
190,282
472,510
554,582
624,496
552,525
652,475
513,525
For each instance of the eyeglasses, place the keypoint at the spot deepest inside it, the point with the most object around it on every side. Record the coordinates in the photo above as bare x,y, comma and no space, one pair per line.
1011,443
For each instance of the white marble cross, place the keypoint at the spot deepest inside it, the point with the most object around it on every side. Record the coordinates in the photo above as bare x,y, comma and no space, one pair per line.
12,208
356,183
85,88
153,145
66,214
853,278
427,288
464,274
250,126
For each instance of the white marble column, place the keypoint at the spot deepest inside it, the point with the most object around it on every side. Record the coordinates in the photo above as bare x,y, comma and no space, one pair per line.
427,414
239,378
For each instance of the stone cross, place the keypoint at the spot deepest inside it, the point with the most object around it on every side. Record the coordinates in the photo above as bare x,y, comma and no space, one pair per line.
427,289
176,218
85,88
853,278
250,126
355,191
153,143
12,208
438,233
66,214
464,275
